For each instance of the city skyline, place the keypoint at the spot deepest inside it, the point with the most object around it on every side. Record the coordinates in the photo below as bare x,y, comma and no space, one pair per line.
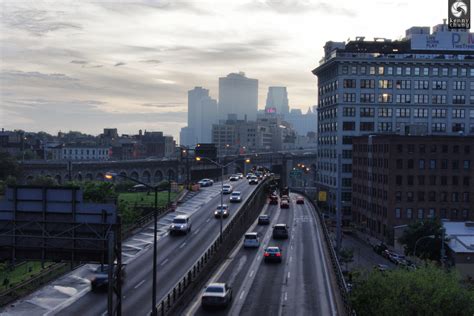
80,67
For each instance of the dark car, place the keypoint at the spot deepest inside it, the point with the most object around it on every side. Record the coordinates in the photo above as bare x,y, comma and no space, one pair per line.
100,278
300,200
284,203
280,231
272,254
263,219
273,199
379,248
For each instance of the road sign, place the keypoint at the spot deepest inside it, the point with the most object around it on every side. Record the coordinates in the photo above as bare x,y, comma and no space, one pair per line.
322,196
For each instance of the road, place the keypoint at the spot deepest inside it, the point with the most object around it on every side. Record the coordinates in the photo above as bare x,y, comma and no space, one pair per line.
301,285
176,254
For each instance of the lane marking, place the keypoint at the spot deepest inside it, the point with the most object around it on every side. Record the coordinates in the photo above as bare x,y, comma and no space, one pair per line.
164,262
242,294
197,231
139,284
104,313
291,259
182,245
208,220
251,273
286,296
288,274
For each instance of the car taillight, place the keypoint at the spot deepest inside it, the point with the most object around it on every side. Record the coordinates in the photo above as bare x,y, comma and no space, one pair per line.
266,254
278,254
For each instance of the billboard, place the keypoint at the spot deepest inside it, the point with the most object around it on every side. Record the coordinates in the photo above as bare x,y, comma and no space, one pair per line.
54,223
461,40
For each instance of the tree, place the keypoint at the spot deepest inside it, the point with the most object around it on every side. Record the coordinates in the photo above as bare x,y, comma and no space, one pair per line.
427,248
43,181
346,256
99,191
8,166
424,291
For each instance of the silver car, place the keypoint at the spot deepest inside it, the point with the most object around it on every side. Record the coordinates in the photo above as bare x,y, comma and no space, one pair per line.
216,294
180,225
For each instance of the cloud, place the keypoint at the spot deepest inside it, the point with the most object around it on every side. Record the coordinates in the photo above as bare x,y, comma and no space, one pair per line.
163,105
297,7
151,61
119,64
79,62
21,75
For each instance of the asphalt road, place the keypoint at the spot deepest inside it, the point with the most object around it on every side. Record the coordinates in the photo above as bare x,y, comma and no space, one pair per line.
176,254
301,285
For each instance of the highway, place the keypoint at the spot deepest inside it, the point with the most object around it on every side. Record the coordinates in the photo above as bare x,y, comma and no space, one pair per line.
301,285
176,254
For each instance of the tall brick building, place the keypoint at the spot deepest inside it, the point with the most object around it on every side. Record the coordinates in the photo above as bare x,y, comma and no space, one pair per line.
397,180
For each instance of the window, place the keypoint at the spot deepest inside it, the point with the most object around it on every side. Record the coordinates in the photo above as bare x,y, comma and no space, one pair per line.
438,99
367,98
438,127
372,70
432,180
438,113
432,196
408,71
457,127
455,180
466,164
398,71
384,126
367,84
420,213
398,213
454,214
459,99
399,180
444,196
432,163
455,164
420,99
353,70
409,213
367,112
398,196
421,180
366,126
458,113
410,180
348,112
421,85
410,164
403,84
435,71
381,70
385,84
431,213
465,214
409,196
402,112
345,70
403,98
385,98
421,164
385,112
465,197
444,72
349,83
399,163
444,180
420,113
439,85
349,97
348,126
421,196
454,197
459,85
444,163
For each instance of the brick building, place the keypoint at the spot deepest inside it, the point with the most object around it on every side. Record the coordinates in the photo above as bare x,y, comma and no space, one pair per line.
397,180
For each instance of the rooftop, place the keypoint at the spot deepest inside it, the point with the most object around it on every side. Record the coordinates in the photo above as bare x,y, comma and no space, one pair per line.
461,235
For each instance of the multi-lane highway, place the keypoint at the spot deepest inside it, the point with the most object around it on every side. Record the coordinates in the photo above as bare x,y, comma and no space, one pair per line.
301,285
176,254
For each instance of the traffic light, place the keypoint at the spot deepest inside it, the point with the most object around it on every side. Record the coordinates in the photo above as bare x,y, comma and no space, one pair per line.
208,151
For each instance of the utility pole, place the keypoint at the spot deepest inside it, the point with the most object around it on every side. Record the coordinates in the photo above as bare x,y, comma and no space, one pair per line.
338,207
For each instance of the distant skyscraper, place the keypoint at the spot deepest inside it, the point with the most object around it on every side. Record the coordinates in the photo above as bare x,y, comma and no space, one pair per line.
202,113
277,98
238,95
302,123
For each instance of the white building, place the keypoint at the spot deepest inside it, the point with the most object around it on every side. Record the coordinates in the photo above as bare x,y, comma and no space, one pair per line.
202,113
187,137
277,100
423,83
81,152
238,95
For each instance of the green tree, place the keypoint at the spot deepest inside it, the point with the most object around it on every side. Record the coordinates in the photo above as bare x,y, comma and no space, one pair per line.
346,256
43,181
8,166
99,191
427,248
424,291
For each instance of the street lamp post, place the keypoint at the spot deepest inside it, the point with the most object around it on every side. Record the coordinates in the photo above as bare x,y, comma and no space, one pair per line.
222,186
421,238
110,176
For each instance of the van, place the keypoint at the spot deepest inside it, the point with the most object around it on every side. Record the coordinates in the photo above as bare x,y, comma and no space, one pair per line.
251,240
181,224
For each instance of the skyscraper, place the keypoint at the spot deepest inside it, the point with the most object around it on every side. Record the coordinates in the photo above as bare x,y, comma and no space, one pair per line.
422,84
277,98
238,95
202,113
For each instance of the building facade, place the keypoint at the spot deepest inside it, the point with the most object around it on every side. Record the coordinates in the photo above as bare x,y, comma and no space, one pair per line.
397,180
238,95
202,113
81,152
302,123
422,84
277,100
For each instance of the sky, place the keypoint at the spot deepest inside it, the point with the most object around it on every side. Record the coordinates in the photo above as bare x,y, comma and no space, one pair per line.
85,65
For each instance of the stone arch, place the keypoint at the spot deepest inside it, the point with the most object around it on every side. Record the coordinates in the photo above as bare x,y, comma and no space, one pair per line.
67,178
158,177
78,177
58,179
123,173
171,174
99,176
146,176
134,175
89,177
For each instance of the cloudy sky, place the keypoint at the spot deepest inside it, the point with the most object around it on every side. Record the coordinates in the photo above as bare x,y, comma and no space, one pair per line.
84,65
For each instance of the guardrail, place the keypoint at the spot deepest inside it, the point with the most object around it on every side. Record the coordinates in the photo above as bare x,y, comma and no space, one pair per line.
201,270
341,282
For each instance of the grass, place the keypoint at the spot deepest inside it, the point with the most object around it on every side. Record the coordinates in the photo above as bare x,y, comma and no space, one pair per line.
20,273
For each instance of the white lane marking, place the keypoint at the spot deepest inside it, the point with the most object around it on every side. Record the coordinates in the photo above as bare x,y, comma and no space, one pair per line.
197,231
288,274
291,259
182,245
68,302
208,220
104,313
242,294
286,296
251,273
139,284
164,262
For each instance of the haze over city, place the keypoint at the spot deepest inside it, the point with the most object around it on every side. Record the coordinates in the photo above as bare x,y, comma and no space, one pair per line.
69,65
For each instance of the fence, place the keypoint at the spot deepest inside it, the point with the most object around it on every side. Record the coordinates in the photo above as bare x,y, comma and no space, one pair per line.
341,282
201,270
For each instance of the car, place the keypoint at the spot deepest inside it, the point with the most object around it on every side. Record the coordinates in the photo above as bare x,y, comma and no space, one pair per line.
397,258
387,253
100,277
253,180
251,240
280,231
181,224
381,267
240,175
272,254
216,295
249,175
273,199
284,191
206,182
379,248
234,177
284,203
259,175
263,219
227,189
235,197
221,210
300,200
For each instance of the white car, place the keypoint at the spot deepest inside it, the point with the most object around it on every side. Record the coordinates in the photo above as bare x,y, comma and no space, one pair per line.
216,294
221,210
253,180
227,189
235,197
240,175
234,177
251,240
180,225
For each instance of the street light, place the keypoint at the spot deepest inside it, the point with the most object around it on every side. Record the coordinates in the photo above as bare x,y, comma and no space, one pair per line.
222,185
429,236
111,176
